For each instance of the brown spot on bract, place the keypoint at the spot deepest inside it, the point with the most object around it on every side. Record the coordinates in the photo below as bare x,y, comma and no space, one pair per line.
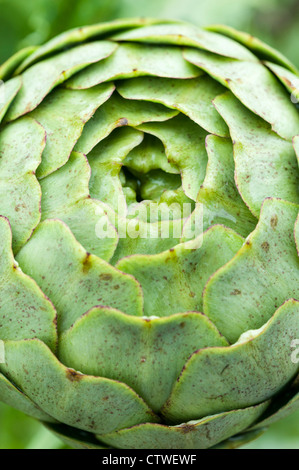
186,428
73,375
87,263
106,277
265,246
274,221
236,292
122,122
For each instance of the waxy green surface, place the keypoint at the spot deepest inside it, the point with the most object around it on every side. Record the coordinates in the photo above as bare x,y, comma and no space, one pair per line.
126,321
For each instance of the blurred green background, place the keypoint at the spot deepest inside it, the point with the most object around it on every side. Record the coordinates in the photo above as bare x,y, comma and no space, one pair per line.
31,23
26,23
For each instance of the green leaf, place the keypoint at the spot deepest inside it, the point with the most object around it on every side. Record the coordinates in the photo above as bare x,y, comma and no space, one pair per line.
280,408
8,68
260,48
40,79
117,112
12,396
216,379
173,281
289,79
291,407
219,194
21,147
146,353
147,156
201,434
106,161
65,195
73,279
25,312
8,92
245,293
134,60
187,35
79,35
255,86
192,97
266,165
63,114
184,144
140,237
93,404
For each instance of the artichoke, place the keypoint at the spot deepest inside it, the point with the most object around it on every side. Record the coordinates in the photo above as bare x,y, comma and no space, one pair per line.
126,320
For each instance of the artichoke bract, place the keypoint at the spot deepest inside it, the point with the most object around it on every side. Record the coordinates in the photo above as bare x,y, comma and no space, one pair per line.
149,269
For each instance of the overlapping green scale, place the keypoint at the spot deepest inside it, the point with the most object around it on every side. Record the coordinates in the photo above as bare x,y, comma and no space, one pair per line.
63,115
117,113
260,277
142,347
40,79
8,68
21,146
219,194
8,92
265,164
254,85
183,95
196,434
174,280
127,320
89,279
258,47
77,400
25,312
219,379
133,60
288,78
183,34
12,396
